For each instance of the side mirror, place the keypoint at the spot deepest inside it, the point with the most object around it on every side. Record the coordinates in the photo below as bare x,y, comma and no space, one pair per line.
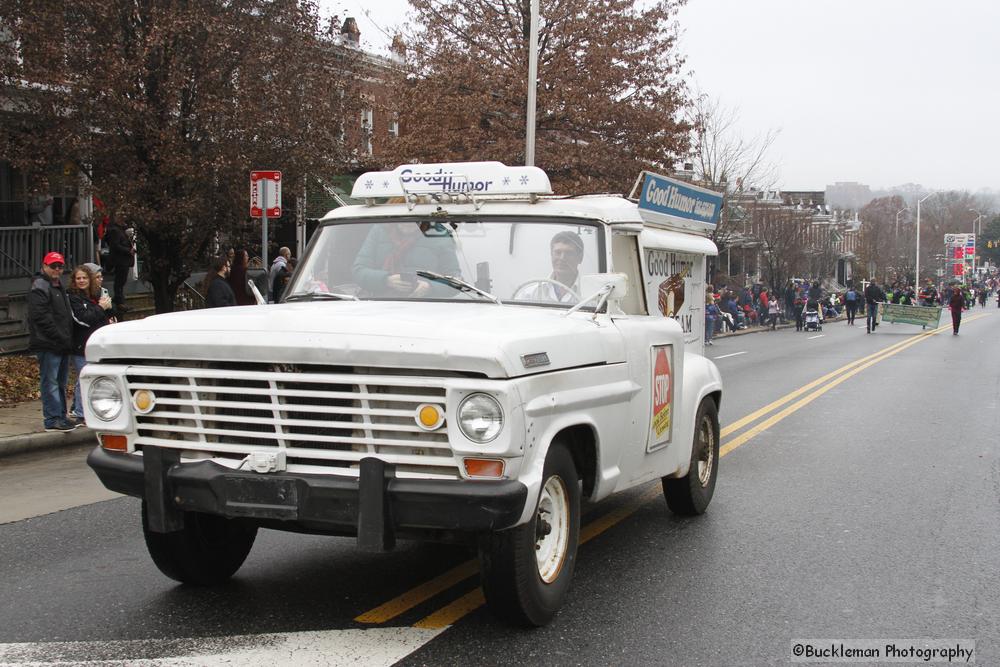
595,282
602,288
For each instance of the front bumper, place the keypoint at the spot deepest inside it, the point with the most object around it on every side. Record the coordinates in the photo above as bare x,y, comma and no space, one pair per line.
374,505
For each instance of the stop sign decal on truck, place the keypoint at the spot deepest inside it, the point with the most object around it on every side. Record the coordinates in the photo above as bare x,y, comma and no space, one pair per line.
663,391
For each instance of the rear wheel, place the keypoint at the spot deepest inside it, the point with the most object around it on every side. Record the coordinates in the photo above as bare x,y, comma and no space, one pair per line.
526,571
691,494
207,551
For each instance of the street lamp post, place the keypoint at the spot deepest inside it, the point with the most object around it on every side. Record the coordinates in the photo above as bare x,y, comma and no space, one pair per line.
916,278
975,234
979,217
529,138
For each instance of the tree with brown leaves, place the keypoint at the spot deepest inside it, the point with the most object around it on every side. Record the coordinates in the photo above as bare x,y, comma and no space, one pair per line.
610,99
166,106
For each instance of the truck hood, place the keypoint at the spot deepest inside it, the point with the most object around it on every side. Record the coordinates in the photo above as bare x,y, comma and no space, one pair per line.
466,337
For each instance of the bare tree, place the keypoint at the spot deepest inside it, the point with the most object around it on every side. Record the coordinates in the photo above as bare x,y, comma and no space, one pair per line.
726,160
947,212
881,244
780,230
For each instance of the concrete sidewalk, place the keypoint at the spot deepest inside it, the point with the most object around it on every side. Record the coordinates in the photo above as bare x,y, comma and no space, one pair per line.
22,430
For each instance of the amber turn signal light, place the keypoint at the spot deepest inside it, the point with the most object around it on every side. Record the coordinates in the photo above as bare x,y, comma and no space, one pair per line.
115,443
484,468
429,417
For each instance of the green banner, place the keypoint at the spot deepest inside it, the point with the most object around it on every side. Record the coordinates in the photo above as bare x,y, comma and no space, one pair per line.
925,316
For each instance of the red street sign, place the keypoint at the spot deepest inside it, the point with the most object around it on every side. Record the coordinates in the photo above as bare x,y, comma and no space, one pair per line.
273,203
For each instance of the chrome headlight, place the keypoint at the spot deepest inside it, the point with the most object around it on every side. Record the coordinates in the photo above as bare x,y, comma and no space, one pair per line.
480,417
105,398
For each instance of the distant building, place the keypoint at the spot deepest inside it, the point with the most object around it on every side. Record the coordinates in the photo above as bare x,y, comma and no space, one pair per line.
812,200
852,196
827,237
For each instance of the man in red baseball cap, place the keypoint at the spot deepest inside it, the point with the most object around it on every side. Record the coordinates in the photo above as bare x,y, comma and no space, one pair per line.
50,322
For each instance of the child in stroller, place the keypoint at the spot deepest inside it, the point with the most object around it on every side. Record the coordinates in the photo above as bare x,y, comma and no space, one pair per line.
811,316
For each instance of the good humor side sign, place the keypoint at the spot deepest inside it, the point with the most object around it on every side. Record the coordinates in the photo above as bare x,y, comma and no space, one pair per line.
674,203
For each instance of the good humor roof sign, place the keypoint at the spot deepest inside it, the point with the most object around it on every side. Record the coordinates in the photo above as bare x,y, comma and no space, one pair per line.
674,203
476,178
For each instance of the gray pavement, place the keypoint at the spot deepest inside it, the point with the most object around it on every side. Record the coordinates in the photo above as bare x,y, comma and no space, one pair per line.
22,431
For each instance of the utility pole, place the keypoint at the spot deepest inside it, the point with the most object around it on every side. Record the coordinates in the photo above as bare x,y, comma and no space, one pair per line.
916,278
529,139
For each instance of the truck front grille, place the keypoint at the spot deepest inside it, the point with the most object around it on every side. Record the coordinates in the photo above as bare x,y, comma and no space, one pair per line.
322,420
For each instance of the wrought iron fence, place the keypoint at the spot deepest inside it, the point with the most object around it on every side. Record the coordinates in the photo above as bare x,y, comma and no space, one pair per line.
22,248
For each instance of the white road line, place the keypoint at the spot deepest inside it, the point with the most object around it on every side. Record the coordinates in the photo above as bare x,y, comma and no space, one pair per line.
330,648
734,354
819,336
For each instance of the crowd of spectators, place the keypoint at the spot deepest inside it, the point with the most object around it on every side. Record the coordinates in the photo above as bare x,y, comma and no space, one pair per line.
758,305
736,308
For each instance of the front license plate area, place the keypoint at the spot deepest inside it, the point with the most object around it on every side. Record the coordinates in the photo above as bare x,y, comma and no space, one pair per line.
264,497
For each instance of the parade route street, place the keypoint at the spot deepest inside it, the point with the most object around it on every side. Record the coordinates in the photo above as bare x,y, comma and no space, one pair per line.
858,498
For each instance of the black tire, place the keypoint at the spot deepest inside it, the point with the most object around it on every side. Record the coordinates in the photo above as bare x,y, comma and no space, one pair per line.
517,589
691,494
207,551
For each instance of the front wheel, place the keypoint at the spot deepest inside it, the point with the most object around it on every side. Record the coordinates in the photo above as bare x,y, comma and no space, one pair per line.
691,494
526,571
207,551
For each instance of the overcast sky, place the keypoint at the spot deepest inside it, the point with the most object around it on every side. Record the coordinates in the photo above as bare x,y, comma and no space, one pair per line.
883,92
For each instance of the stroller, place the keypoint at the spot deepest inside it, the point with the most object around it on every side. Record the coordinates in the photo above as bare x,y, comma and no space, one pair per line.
812,321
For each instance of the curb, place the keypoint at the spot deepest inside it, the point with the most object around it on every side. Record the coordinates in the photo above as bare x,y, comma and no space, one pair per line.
33,442
786,325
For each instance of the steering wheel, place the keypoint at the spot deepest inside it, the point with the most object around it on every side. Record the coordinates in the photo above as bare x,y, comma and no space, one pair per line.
537,281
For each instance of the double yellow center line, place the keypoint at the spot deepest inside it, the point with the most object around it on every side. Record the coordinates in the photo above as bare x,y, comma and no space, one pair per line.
469,602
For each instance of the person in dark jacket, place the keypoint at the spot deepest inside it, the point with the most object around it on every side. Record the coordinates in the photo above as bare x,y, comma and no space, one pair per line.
851,304
956,303
873,296
120,260
218,293
790,300
50,322
238,278
91,311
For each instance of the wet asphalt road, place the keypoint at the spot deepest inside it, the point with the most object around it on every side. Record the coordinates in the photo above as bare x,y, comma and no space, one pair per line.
872,511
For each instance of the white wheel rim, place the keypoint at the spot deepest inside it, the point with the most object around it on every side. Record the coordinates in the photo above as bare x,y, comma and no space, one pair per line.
552,529
706,451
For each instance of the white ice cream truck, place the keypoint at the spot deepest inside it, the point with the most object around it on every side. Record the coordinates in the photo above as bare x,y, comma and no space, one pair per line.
463,358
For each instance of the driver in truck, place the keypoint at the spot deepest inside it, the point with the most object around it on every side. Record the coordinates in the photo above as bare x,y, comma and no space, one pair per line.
388,260
566,249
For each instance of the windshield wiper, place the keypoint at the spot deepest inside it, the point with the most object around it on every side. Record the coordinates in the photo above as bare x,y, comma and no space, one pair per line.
458,284
321,296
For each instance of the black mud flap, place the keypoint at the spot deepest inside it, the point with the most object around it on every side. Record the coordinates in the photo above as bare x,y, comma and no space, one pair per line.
376,533
161,512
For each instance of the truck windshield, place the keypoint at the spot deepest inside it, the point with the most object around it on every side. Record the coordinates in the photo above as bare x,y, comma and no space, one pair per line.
534,261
